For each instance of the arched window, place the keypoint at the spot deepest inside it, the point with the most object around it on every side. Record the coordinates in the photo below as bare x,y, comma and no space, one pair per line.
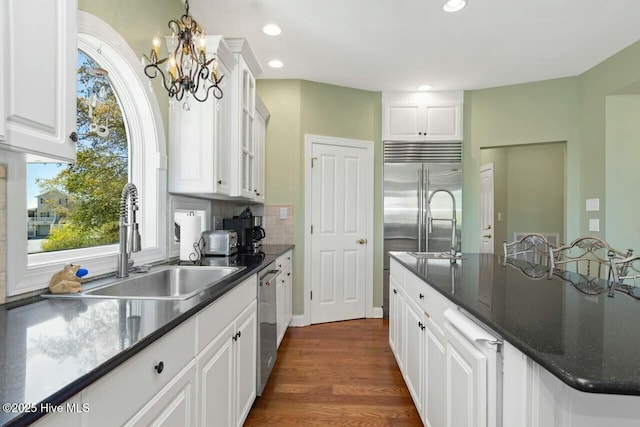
106,50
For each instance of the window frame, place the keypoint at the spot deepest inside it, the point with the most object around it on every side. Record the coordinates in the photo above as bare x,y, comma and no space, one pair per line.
147,169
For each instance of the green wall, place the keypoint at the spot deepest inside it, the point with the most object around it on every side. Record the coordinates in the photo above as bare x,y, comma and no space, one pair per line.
530,113
137,22
622,172
300,107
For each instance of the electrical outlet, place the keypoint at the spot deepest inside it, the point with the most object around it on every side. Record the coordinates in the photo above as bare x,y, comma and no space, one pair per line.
284,213
594,224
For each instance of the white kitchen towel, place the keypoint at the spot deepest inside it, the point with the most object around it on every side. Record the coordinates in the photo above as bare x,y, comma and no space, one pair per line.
190,229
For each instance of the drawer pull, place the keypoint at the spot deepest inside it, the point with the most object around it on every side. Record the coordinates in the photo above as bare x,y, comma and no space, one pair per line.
159,367
395,291
421,296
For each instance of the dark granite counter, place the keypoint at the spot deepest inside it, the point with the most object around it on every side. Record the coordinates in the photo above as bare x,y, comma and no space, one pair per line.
51,349
586,339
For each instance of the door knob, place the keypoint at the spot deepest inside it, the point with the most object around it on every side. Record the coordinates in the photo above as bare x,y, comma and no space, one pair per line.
488,227
362,241
487,236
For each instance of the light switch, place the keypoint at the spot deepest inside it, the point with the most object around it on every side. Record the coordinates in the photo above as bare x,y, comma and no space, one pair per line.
499,216
592,205
594,224
284,213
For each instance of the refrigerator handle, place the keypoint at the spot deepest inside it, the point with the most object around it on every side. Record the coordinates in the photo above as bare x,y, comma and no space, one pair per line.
420,210
427,209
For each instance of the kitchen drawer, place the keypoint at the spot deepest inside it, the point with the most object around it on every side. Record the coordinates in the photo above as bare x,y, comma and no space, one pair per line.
432,302
397,272
115,398
283,262
213,319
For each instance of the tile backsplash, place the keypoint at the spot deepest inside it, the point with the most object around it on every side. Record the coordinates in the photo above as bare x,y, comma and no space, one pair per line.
279,230
3,232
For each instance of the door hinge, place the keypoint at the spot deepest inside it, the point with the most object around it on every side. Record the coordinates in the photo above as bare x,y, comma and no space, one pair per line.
311,229
312,161
311,294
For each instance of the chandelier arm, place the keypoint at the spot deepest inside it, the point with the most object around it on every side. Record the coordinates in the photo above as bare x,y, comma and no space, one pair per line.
156,70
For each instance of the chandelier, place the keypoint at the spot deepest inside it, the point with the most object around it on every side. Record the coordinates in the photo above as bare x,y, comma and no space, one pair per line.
188,71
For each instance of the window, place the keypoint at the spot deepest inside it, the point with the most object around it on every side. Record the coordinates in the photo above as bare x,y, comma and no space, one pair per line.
146,168
94,182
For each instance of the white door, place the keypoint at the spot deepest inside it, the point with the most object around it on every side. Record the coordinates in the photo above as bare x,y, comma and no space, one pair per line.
339,216
487,231
435,379
466,376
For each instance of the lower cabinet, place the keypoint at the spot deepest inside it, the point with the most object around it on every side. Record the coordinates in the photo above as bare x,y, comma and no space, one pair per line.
175,405
414,353
227,372
396,320
284,294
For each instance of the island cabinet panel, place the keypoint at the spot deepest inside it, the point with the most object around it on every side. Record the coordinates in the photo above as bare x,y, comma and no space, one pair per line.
414,353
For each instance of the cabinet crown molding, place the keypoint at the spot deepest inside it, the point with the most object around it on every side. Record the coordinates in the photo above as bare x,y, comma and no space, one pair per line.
241,46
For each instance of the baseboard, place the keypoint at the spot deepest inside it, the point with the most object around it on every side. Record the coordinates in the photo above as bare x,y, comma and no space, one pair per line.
297,320
377,313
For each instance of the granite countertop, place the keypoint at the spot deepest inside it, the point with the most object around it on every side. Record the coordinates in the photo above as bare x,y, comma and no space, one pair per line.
586,339
50,349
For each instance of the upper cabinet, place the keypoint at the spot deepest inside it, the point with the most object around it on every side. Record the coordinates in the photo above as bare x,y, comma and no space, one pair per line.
200,136
259,137
243,118
216,147
422,116
40,88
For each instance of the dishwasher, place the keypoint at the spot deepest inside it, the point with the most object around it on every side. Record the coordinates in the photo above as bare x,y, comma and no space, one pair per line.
267,327
474,371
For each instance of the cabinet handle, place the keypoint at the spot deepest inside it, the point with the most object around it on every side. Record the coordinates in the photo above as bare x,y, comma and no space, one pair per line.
73,136
220,181
257,194
395,291
421,296
235,337
419,133
159,367
288,257
420,325
239,334
289,274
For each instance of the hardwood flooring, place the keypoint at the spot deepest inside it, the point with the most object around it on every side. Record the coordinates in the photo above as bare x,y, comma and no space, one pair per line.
336,374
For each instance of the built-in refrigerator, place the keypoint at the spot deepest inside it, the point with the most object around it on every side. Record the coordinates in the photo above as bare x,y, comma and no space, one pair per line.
422,200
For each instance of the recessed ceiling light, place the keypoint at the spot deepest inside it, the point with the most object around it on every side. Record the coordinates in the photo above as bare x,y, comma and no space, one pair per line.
271,30
454,5
275,63
425,88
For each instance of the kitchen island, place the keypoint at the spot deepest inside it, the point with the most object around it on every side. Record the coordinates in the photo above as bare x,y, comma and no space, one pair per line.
570,353
51,349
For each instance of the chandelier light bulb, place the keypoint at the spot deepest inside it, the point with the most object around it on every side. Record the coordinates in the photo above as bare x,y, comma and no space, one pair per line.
454,5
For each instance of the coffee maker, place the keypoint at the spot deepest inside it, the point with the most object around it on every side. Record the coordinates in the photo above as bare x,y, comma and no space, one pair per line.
249,229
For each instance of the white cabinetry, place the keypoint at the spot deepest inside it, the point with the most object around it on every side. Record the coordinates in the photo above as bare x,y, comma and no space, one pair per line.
40,87
200,160
284,293
260,135
243,152
422,116
417,339
227,337
175,405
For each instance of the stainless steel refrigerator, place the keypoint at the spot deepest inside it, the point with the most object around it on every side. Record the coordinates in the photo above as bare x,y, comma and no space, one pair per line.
422,200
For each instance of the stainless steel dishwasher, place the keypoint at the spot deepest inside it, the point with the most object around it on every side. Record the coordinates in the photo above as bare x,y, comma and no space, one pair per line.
267,328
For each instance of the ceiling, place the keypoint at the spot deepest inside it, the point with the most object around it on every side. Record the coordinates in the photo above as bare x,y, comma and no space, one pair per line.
398,45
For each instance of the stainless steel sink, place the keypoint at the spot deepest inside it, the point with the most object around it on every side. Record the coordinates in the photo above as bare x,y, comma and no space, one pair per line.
435,255
166,283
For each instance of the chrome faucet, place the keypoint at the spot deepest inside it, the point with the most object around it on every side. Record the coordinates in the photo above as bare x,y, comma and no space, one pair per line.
129,234
453,220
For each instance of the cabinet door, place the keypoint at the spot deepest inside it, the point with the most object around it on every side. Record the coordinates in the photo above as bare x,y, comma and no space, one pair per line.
435,380
414,353
173,406
247,146
245,355
466,378
443,122
260,130
394,318
216,381
403,122
222,151
289,298
281,306
41,77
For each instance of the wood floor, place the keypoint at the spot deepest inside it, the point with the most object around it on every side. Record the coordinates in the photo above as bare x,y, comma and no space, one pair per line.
336,374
